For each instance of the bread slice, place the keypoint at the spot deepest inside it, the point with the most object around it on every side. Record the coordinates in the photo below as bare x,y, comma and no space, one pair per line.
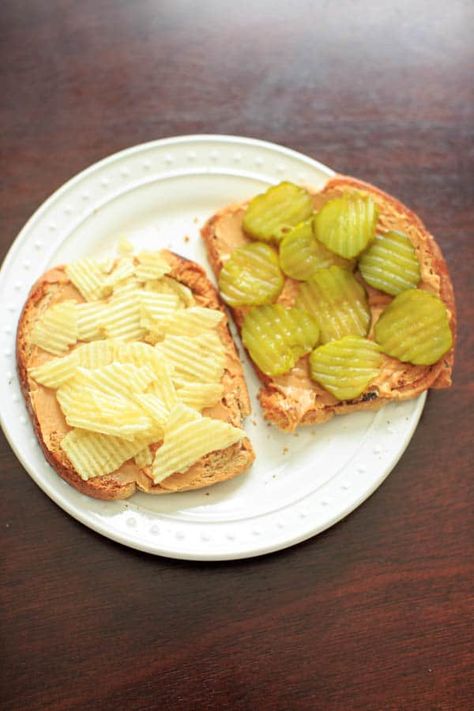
294,399
50,425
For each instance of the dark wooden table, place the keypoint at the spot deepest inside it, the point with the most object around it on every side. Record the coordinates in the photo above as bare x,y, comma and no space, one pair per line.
375,613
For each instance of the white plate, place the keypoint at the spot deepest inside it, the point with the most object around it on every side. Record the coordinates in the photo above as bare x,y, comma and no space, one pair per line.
158,195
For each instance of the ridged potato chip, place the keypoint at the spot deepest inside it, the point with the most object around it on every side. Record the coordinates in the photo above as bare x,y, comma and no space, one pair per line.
90,320
56,330
153,406
180,415
144,458
123,270
189,358
168,285
185,444
56,372
193,321
93,454
116,378
200,395
98,353
151,265
123,316
156,309
89,276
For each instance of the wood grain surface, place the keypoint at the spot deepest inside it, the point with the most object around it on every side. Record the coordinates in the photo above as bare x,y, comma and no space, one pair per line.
377,612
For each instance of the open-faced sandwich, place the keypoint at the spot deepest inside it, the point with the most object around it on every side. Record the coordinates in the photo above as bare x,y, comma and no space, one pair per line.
131,377
342,298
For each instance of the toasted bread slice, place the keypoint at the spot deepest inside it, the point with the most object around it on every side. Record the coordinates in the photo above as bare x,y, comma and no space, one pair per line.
294,399
50,425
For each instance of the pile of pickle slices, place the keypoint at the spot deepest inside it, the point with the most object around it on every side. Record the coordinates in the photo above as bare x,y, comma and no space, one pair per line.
330,253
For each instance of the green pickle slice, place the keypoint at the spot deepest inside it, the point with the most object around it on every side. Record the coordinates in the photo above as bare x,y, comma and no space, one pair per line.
301,255
277,337
346,367
270,215
251,275
390,264
415,328
346,225
337,301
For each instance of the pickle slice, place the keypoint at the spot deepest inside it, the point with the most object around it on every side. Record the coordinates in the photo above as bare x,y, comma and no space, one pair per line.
270,215
337,301
277,337
301,255
346,225
415,328
345,367
390,264
251,275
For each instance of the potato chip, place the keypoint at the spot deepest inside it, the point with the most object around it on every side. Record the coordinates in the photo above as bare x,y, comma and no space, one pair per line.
200,395
144,458
153,406
168,285
163,385
89,276
122,316
210,344
98,353
125,247
193,321
127,286
97,411
56,372
151,265
90,319
116,378
185,444
56,330
180,415
189,357
93,454
156,308
124,269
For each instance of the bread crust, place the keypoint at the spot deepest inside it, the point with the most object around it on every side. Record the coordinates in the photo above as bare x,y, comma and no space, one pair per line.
54,286
292,400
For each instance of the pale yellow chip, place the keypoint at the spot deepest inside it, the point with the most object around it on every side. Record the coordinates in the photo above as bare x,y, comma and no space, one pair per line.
96,411
116,378
98,353
163,386
190,359
124,269
56,330
144,458
168,285
185,444
209,343
93,454
90,320
127,286
156,309
200,395
153,406
193,321
56,372
89,276
179,415
151,265
141,354
122,317
125,247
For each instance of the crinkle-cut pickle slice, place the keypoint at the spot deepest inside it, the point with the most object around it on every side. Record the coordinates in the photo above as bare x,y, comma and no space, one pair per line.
415,328
337,301
269,215
346,225
301,254
277,337
346,367
390,264
251,276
